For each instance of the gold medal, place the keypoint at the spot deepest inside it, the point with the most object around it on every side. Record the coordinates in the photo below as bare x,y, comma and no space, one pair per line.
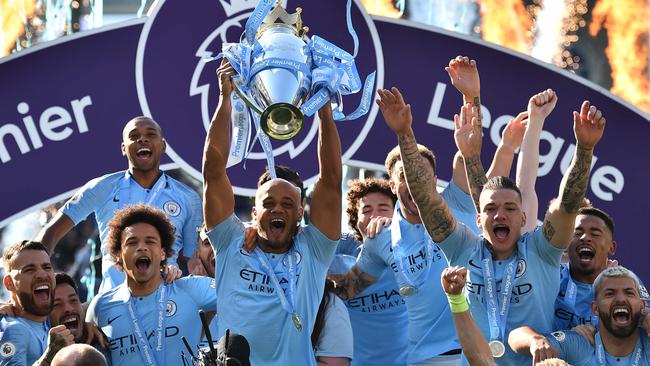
497,348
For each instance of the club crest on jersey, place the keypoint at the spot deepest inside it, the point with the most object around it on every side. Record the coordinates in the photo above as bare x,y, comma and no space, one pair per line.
559,336
170,309
7,349
172,208
521,268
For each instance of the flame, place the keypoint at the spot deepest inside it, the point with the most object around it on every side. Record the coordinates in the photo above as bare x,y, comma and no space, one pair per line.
381,7
628,47
13,15
507,23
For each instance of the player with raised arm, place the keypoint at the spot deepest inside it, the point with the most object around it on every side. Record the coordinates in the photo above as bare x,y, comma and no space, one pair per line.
530,261
277,288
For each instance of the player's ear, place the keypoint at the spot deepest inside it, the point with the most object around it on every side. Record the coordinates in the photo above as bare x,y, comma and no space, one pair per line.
123,148
9,283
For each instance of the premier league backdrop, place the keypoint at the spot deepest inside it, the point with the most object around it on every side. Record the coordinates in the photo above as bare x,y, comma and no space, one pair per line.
60,124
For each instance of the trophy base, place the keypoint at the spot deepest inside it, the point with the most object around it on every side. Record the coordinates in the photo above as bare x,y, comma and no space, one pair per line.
281,121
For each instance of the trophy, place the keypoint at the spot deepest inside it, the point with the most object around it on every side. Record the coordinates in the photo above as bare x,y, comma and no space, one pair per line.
277,93
284,76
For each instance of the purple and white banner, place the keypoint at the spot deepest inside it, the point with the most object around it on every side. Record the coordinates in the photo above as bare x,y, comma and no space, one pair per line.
63,105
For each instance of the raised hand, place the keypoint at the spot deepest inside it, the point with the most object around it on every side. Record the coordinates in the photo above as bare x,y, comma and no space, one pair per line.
225,73
463,74
513,134
171,272
397,114
541,105
588,125
453,279
467,131
376,225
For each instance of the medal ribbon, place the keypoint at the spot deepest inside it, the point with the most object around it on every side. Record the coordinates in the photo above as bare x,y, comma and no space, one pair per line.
288,300
396,226
158,357
635,358
497,305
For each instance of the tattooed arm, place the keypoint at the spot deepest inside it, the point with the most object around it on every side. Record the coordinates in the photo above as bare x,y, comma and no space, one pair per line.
59,337
588,126
350,284
420,178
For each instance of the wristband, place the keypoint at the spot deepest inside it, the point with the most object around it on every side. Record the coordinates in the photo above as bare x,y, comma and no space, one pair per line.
458,303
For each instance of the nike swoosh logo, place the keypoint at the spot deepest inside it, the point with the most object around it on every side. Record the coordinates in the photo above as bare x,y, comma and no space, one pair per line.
112,320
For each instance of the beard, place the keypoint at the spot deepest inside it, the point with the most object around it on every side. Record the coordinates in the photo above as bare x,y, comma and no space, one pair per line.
26,301
619,332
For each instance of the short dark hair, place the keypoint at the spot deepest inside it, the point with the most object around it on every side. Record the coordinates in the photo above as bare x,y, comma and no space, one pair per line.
501,182
593,211
286,173
135,214
394,156
62,278
359,188
12,251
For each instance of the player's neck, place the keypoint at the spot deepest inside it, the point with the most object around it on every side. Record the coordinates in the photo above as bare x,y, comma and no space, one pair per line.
410,218
275,249
143,289
22,313
499,255
583,277
145,178
618,346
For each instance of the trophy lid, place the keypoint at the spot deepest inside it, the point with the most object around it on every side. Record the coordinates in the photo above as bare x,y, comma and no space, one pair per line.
292,21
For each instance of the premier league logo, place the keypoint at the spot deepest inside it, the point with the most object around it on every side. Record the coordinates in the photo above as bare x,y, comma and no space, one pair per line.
178,89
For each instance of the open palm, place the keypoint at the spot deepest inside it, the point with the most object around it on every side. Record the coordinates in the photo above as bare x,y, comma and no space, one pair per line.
397,114
467,131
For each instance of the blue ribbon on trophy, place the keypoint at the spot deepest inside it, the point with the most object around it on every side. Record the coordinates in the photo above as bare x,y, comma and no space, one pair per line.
283,77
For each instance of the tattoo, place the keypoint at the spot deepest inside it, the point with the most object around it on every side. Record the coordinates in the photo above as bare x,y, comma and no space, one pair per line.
57,342
475,178
360,280
548,230
574,184
435,214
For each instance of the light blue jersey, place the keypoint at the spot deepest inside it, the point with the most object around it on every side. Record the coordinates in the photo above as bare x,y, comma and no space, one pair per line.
378,316
577,351
572,310
461,206
431,329
248,303
185,297
536,283
107,194
22,341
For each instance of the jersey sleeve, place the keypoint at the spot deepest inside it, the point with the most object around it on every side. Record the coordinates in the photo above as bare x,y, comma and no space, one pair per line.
336,337
459,244
87,199
570,346
13,345
192,225
547,251
321,246
92,314
370,259
203,291
225,233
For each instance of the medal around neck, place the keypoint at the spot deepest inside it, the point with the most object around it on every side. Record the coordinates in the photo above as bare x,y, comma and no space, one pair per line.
497,348
297,322
407,290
